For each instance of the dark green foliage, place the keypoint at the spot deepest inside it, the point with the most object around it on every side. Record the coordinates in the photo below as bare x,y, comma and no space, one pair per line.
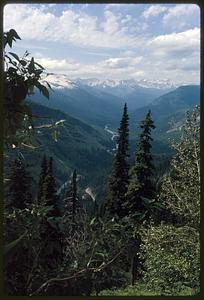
43,174
20,77
23,245
118,182
141,189
71,199
43,255
19,185
50,197
51,235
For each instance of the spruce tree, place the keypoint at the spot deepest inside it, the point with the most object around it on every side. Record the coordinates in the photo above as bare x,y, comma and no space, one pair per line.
19,185
51,234
141,189
71,199
43,174
50,197
118,182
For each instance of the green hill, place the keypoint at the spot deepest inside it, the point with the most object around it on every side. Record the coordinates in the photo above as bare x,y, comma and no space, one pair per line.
79,147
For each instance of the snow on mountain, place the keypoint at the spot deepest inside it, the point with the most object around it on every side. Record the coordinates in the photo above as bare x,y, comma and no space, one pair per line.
59,81
130,83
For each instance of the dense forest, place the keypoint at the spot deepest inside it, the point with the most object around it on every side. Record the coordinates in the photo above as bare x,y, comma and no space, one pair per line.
141,238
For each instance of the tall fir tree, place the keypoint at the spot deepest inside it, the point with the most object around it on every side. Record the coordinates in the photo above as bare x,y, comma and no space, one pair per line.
51,234
19,193
43,174
141,188
71,198
118,182
50,197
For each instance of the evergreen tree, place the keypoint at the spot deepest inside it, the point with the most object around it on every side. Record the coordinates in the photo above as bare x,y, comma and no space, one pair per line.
19,185
71,200
50,197
118,182
141,189
43,174
51,234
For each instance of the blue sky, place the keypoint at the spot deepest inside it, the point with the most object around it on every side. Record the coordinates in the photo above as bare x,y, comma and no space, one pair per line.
116,41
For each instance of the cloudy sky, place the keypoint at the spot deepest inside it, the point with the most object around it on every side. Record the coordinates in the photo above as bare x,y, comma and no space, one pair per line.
116,41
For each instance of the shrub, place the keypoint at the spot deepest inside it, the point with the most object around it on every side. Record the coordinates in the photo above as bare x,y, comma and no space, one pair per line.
171,258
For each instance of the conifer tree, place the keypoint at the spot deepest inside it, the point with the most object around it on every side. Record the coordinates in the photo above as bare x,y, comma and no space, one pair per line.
141,189
43,174
50,232
118,182
19,185
71,204
50,197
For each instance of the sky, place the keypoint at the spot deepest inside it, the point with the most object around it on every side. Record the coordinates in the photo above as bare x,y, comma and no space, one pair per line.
110,41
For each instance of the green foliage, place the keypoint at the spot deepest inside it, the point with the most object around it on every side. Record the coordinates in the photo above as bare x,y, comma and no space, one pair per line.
22,249
171,258
141,189
43,174
18,189
118,182
171,251
141,290
45,256
50,231
20,77
181,187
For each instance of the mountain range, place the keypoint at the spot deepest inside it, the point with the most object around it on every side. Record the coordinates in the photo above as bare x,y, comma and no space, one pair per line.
88,107
99,102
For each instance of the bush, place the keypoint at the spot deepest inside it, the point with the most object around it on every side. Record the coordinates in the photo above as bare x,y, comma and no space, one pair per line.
171,258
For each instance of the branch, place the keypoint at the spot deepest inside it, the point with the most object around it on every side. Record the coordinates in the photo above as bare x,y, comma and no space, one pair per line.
78,274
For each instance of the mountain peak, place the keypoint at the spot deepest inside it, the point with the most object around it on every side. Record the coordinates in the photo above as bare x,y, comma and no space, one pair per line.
61,81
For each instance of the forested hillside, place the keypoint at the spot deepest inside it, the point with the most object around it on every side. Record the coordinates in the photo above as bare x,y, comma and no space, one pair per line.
93,209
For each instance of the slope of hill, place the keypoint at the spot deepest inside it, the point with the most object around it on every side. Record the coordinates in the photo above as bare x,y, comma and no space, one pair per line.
127,91
79,103
88,149
168,110
79,147
98,102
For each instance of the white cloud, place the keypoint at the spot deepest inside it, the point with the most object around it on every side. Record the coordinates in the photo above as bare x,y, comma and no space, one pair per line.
121,62
111,24
178,69
174,56
77,28
185,42
118,5
178,16
58,64
114,67
154,10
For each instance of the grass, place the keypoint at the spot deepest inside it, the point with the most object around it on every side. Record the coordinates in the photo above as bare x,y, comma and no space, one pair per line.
137,290
140,289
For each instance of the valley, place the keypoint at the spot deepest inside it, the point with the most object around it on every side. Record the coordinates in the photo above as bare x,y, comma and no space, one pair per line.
92,110
101,126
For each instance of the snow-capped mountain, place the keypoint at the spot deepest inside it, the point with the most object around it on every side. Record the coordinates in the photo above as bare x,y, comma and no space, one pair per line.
61,81
130,83
106,93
